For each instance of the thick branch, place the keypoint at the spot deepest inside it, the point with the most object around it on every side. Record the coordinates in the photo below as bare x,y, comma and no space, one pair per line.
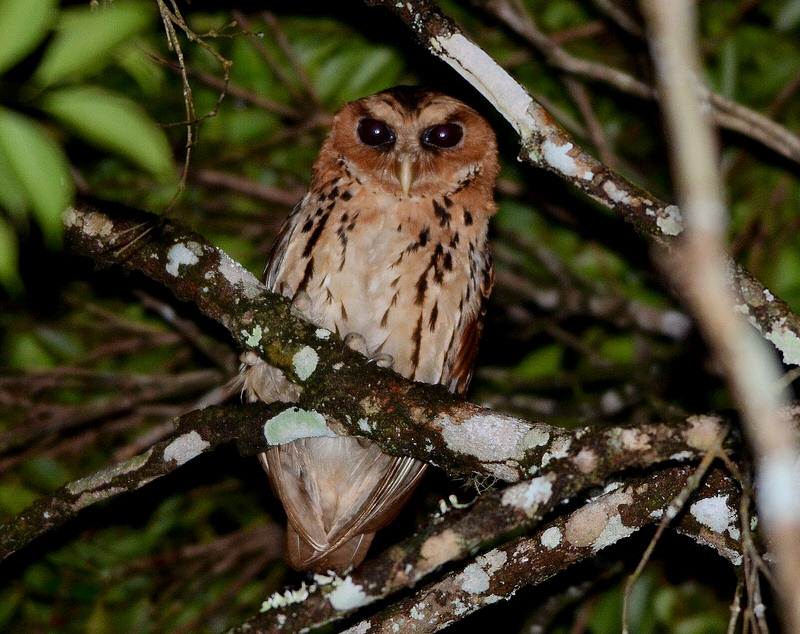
204,430
500,572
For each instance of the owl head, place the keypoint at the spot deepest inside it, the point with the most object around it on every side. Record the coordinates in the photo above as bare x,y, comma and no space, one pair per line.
411,142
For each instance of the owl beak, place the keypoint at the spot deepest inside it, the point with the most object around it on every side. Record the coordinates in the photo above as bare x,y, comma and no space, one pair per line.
406,173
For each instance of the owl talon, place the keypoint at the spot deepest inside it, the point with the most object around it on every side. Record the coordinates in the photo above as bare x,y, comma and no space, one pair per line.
301,303
250,359
357,342
383,360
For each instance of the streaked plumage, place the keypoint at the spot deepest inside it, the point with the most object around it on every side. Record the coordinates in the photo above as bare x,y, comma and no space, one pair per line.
390,243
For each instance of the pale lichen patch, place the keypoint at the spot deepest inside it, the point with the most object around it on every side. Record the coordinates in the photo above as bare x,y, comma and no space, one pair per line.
252,338
703,432
91,223
294,423
586,460
92,497
785,339
102,477
613,532
615,194
557,156
288,597
559,449
670,221
359,628
305,362
539,436
476,577
528,496
598,524
440,549
185,447
489,437
551,538
634,440
348,596
322,333
239,276
182,254
585,525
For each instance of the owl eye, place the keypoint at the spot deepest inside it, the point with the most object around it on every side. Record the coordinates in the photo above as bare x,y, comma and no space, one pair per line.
443,136
375,133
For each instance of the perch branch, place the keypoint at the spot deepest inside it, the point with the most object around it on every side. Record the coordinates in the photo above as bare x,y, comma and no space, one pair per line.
502,571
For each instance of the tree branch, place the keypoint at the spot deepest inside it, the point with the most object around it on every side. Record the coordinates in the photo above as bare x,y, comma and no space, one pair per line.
499,573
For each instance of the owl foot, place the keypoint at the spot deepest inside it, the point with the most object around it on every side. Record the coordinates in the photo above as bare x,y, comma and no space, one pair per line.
383,360
357,342
301,303
250,358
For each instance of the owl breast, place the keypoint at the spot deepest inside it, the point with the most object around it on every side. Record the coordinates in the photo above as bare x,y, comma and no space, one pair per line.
394,270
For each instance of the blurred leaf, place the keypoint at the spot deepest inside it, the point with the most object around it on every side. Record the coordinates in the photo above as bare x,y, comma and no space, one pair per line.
43,473
23,23
789,16
9,258
14,497
12,194
42,579
25,350
147,74
85,38
100,620
729,68
41,167
619,349
545,361
113,122
10,600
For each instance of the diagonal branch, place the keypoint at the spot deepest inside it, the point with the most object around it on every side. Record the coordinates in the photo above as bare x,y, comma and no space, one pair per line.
499,573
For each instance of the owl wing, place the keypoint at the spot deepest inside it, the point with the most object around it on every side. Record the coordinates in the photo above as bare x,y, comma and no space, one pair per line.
458,370
337,492
281,246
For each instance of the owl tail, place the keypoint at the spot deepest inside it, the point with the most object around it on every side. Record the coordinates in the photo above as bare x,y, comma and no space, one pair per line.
337,492
303,556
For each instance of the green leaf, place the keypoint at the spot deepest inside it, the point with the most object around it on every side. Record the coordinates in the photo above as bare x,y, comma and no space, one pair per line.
543,362
86,37
13,198
23,23
9,258
141,67
41,167
115,123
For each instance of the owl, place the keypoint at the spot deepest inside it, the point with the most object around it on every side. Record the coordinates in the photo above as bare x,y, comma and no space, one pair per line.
387,249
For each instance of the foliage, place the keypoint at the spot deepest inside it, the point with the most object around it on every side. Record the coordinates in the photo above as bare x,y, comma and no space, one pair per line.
46,59
95,365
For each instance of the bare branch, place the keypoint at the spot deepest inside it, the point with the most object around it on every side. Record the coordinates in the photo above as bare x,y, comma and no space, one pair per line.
700,269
